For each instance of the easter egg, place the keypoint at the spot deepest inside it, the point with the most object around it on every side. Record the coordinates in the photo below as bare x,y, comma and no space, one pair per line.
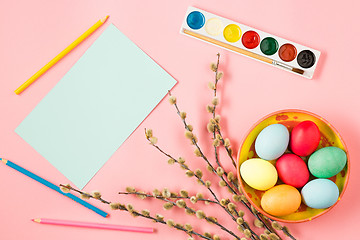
281,200
327,162
258,173
272,142
292,170
304,138
320,193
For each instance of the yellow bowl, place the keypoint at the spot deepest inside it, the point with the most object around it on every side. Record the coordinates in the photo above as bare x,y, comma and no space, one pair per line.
290,118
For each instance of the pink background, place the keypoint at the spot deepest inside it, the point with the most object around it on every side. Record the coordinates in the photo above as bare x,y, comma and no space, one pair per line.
33,32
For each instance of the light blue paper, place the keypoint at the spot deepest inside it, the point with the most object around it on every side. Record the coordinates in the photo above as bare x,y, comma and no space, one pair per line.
95,107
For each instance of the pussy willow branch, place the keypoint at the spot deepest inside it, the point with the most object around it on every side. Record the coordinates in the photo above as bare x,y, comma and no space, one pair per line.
214,171
84,193
208,219
214,114
216,81
226,148
198,147
187,168
218,128
123,208
218,131
287,233
257,214
214,133
184,166
172,197
201,153
235,185
284,229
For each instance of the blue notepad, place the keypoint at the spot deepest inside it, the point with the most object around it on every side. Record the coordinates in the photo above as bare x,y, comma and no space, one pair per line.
95,107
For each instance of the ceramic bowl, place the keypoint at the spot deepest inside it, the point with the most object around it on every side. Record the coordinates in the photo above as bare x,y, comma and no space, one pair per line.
290,118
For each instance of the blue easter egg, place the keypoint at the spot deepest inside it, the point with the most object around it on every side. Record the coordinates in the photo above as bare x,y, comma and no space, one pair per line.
272,142
320,193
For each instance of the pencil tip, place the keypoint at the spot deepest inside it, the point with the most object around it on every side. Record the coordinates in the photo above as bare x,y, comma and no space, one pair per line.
104,19
4,160
37,220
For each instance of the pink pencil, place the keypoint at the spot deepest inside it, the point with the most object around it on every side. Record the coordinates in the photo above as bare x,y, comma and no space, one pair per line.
93,225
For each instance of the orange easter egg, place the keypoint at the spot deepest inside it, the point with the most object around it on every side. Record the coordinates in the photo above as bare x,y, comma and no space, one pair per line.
281,200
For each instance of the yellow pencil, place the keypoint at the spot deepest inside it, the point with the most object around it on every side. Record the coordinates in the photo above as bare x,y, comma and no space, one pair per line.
61,55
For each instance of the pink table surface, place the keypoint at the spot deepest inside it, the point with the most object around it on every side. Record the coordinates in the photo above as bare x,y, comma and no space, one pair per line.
33,32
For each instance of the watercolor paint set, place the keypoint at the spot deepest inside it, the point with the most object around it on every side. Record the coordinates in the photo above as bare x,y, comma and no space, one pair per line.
248,41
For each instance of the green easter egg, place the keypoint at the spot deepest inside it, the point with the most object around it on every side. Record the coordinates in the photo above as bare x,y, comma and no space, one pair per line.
327,162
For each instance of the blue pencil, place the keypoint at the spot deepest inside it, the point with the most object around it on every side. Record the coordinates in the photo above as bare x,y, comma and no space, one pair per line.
53,187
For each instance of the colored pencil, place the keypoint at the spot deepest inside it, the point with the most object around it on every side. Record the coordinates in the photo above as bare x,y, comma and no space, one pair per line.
93,225
60,55
53,186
